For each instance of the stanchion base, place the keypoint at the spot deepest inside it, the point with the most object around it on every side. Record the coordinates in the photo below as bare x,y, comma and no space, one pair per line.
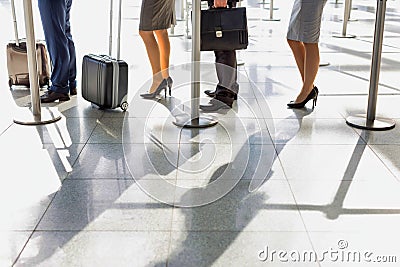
201,122
379,124
343,36
47,116
271,19
324,64
175,35
350,20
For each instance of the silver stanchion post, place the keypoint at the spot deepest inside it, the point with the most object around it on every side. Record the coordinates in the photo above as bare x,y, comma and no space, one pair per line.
271,12
36,116
267,8
346,16
188,36
195,121
172,30
351,8
336,2
182,9
349,11
370,122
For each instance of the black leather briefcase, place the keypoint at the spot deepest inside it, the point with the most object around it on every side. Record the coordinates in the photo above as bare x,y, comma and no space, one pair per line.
223,29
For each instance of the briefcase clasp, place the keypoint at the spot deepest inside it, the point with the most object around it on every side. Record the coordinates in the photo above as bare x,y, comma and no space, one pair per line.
218,32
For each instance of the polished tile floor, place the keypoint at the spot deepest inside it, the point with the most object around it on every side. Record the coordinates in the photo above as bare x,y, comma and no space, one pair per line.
107,188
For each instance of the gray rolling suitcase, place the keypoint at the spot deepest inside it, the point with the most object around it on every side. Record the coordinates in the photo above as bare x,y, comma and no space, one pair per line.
104,78
17,59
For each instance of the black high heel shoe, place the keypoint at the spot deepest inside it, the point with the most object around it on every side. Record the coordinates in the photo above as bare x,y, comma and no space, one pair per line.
162,86
169,83
312,95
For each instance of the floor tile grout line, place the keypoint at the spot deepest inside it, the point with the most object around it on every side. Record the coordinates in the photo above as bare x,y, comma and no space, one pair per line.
173,206
382,161
365,80
35,228
47,208
298,210
8,127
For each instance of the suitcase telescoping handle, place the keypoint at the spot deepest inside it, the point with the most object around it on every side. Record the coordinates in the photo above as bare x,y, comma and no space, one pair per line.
115,63
14,22
119,29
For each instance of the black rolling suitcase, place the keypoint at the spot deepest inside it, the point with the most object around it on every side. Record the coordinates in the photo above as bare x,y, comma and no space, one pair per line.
104,78
105,81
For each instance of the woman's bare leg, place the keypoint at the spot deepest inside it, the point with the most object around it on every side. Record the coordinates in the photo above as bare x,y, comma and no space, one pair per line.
307,60
311,66
299,54
164,51
153,53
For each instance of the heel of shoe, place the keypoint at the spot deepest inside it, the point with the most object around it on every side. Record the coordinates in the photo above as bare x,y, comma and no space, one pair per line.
170,82
162,86
316,96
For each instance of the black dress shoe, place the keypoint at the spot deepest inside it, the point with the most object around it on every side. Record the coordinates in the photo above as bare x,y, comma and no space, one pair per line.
211,93
73,91
51,96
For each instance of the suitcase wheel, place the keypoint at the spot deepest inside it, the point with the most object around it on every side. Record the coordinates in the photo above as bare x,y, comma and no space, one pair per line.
10,83
124,106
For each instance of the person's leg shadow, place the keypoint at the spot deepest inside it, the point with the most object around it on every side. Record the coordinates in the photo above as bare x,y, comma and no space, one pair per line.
208,231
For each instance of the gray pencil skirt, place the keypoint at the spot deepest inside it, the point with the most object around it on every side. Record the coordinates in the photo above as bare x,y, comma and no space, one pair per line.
305,21
157,15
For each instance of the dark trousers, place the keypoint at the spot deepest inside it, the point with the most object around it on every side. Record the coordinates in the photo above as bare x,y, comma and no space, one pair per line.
55,15
226,64
226,67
